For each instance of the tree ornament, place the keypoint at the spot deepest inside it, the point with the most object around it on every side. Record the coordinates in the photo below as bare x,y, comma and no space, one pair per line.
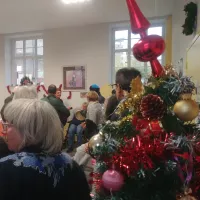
170,71
152,107
154,44
112,180
94,142
139,22
186,196
149,48
186,109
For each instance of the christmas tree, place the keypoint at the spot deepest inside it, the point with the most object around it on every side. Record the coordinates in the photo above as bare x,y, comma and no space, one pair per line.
153,153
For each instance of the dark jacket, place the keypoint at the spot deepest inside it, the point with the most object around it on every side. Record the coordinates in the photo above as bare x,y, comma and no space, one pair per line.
31,176
6,101
62,111
101,99
110,108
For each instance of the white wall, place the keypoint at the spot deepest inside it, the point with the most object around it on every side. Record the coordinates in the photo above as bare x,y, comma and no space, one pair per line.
88,45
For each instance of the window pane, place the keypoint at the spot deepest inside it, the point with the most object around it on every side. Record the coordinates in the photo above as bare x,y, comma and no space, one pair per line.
30,51
135,36
30,68
40,72
121,35
19,44
40,43
19,69
133,42
19,65
20,75
19,52
30,43
136,64
121,44
120,60
155,31
40,51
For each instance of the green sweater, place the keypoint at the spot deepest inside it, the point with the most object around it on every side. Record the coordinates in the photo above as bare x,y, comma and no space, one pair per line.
62,111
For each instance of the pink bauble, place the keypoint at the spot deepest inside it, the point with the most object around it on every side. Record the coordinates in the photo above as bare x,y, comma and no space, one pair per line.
112,180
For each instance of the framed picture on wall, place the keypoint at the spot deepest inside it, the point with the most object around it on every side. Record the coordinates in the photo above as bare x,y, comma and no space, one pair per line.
74,78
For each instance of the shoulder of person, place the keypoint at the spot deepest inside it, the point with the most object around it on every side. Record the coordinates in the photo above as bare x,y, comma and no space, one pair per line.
8,99
38,162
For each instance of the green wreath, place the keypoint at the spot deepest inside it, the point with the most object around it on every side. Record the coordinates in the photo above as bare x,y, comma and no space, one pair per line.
191,18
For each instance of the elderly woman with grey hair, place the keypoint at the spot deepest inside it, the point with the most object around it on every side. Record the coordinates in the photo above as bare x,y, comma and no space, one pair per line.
38,169
26,92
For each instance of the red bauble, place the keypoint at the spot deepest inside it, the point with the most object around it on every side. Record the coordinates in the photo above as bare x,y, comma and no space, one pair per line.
149,48
139,23
152,107
112,180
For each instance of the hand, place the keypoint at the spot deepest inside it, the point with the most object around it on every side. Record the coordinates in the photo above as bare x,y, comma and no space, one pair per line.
86,148
83,125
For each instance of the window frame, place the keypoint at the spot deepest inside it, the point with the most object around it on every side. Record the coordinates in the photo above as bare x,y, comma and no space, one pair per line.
24,57
161,22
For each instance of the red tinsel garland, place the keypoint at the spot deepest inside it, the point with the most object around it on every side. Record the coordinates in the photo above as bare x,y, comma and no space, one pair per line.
139,152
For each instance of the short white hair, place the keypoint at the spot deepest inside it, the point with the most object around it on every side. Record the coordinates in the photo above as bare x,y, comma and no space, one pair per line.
38,123
25,92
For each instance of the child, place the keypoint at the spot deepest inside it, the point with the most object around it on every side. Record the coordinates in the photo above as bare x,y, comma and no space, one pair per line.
76,127
82,157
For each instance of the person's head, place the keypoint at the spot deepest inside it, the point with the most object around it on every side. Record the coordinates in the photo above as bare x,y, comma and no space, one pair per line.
92,96
123,80
95,88
52,89
32,122
84,106
25,92
58,93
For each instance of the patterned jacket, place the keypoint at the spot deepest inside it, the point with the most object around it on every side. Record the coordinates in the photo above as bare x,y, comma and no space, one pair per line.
31,176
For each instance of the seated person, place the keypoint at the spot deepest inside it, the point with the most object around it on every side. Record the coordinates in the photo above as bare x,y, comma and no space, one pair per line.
76,127
82,157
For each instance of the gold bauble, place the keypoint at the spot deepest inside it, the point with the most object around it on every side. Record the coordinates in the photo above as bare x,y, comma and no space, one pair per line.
186,195
95,141
186,109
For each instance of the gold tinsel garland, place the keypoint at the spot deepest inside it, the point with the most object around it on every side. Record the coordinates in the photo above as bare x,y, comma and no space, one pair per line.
133,99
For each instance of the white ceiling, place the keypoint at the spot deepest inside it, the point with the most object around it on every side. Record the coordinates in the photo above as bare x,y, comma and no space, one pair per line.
32,15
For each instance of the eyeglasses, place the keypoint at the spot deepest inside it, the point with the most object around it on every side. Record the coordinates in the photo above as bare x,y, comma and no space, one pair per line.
115,86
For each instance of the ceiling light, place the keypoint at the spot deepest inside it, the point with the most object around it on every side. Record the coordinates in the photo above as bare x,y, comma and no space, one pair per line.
74,1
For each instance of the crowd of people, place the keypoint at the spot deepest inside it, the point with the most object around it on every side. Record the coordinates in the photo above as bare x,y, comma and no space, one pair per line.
33,160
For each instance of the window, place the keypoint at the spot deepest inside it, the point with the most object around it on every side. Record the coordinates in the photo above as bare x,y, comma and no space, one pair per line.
123,41
27,60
